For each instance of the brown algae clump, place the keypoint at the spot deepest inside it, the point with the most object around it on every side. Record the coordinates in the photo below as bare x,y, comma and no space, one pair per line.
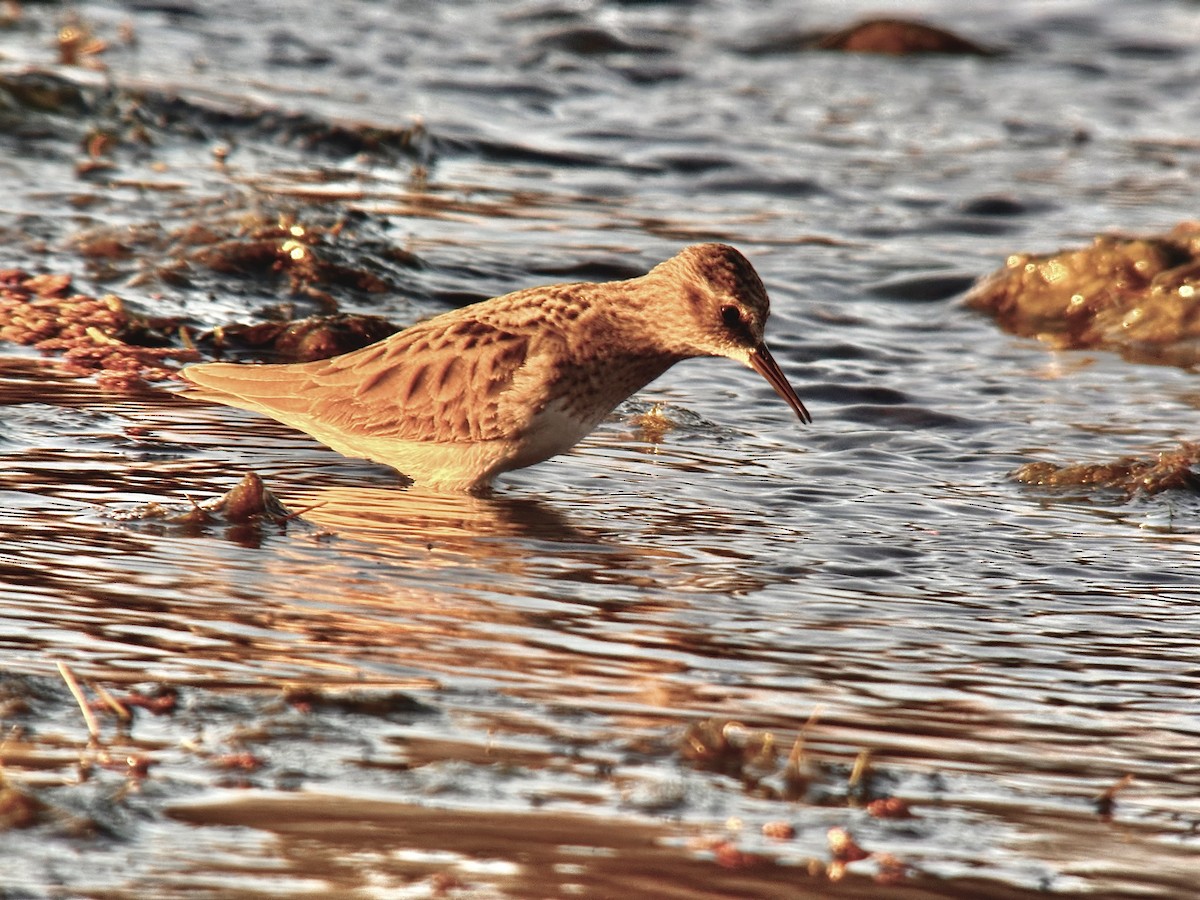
1139,296
249,502
96,335
302,340
1171,470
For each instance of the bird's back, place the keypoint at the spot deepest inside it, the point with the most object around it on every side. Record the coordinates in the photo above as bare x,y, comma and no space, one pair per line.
471,392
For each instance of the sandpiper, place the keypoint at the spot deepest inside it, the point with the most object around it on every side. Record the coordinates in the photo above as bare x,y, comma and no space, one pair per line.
505,383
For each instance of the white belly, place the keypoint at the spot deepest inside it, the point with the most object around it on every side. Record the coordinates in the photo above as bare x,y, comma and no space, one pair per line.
470,465
552,431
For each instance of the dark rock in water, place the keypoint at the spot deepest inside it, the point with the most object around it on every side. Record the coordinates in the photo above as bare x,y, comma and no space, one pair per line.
584,41
896,37
900,37
1139,296
999,205
922,287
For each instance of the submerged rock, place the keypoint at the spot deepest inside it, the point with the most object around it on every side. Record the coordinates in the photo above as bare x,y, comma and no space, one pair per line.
900,37
891,36
1139,296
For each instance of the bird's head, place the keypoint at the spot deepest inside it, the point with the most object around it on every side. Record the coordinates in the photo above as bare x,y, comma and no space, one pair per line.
722,307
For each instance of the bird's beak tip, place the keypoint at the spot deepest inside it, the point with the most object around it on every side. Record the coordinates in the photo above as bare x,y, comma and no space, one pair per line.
764,364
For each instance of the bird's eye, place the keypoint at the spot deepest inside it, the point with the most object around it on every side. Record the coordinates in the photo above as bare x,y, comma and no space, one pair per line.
731,316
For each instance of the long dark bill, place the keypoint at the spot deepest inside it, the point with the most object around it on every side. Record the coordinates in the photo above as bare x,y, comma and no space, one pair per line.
764,364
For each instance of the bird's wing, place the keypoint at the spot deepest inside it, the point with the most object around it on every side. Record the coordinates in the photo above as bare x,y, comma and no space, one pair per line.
444,380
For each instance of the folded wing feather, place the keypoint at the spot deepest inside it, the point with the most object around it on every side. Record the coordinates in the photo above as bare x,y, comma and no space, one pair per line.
407,387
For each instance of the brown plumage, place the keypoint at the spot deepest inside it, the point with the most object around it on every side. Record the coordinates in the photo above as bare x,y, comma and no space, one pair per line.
456,400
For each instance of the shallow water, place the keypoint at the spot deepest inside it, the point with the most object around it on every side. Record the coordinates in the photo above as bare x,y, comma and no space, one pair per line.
506,682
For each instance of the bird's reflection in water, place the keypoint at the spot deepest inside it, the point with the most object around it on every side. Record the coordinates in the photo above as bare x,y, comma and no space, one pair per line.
518,536
526,539
425,516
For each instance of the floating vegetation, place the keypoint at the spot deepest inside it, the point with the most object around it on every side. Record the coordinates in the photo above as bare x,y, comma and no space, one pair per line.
302,340
246,510
132,117
307,257
1139,296
95,335
1170,470
754,757
751,756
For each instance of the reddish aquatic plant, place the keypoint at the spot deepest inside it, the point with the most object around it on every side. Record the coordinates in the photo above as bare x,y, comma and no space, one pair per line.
240,762
779,831
161,703
890,808
95,335
18,809
1107,801
844,850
